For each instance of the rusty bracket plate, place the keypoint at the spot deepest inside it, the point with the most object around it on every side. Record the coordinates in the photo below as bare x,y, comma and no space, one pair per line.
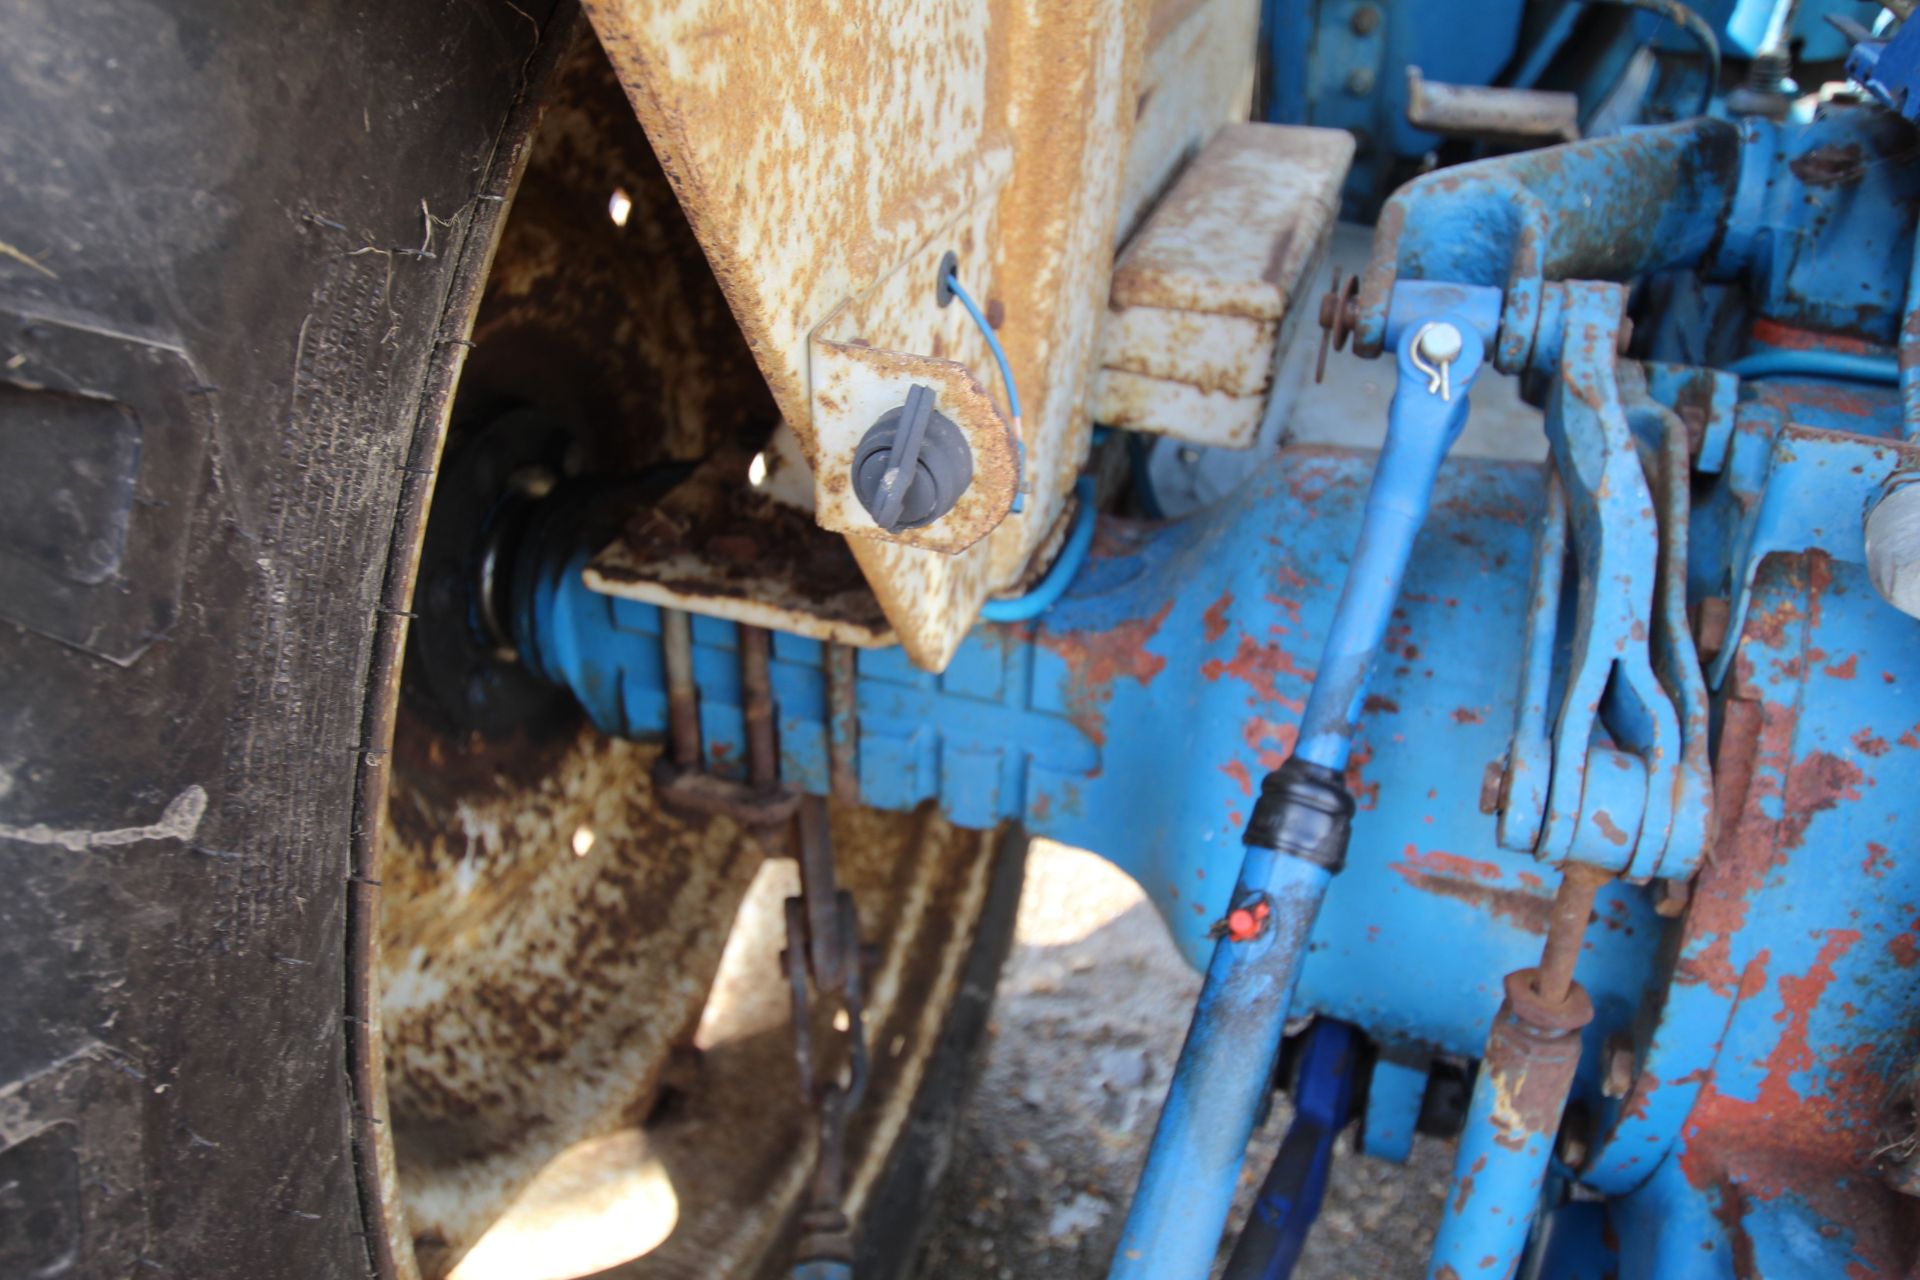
865,356
716,547
852,386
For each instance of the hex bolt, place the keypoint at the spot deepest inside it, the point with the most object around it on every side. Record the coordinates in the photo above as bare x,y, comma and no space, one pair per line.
1360,81
912,466
1365,20
1620,1067
1893,544
1491,783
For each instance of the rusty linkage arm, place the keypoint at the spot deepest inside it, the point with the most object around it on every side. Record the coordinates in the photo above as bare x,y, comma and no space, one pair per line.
823,958
1604,209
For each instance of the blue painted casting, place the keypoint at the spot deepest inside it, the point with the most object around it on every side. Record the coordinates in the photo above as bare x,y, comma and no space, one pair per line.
1890,69
1507,667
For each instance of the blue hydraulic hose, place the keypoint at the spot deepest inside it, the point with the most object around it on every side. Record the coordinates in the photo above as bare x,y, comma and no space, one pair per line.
1065,566
1882,370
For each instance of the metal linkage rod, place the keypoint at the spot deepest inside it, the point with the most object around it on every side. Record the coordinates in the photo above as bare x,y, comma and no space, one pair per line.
683,700
1519,1098
1294,844
1437,363
756,686
1567,931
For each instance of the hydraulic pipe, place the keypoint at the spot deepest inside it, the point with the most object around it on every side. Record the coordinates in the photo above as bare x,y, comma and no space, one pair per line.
1294,844
1525,1078
1841,365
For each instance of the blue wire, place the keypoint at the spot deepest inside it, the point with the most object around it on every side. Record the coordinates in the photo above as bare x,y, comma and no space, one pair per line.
1065,566
993,342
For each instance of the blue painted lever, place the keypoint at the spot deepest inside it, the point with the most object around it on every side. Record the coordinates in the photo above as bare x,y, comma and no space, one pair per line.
1294,844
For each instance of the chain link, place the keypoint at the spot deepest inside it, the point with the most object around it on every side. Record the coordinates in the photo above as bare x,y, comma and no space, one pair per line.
823,961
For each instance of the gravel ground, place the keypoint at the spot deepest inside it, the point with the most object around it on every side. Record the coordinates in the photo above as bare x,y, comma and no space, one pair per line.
1092,1007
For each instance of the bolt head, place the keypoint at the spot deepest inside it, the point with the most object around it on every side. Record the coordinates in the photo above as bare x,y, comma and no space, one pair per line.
1360,81
1491,782
1670,898
1365,20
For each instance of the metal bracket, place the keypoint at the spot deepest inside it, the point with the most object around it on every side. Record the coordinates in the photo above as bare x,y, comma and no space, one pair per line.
867,355
1809,489
1613,759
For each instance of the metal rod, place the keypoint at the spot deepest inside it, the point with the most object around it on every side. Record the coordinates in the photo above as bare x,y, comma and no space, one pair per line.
820,893
1507,1142
756,690
1224,1075
843,725
1421,427
1226,1066
683,702
1567,930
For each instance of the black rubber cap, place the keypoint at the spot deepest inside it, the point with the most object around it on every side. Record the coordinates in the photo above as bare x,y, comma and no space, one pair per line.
1304,810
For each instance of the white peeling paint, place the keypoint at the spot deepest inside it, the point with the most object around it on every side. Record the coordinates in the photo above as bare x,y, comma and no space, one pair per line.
179,821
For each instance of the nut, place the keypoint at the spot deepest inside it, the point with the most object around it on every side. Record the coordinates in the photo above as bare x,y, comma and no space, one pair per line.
1491,784
1621,1067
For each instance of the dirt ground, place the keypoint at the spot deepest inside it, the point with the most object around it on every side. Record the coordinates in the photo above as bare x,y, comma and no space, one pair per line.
1092,1007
